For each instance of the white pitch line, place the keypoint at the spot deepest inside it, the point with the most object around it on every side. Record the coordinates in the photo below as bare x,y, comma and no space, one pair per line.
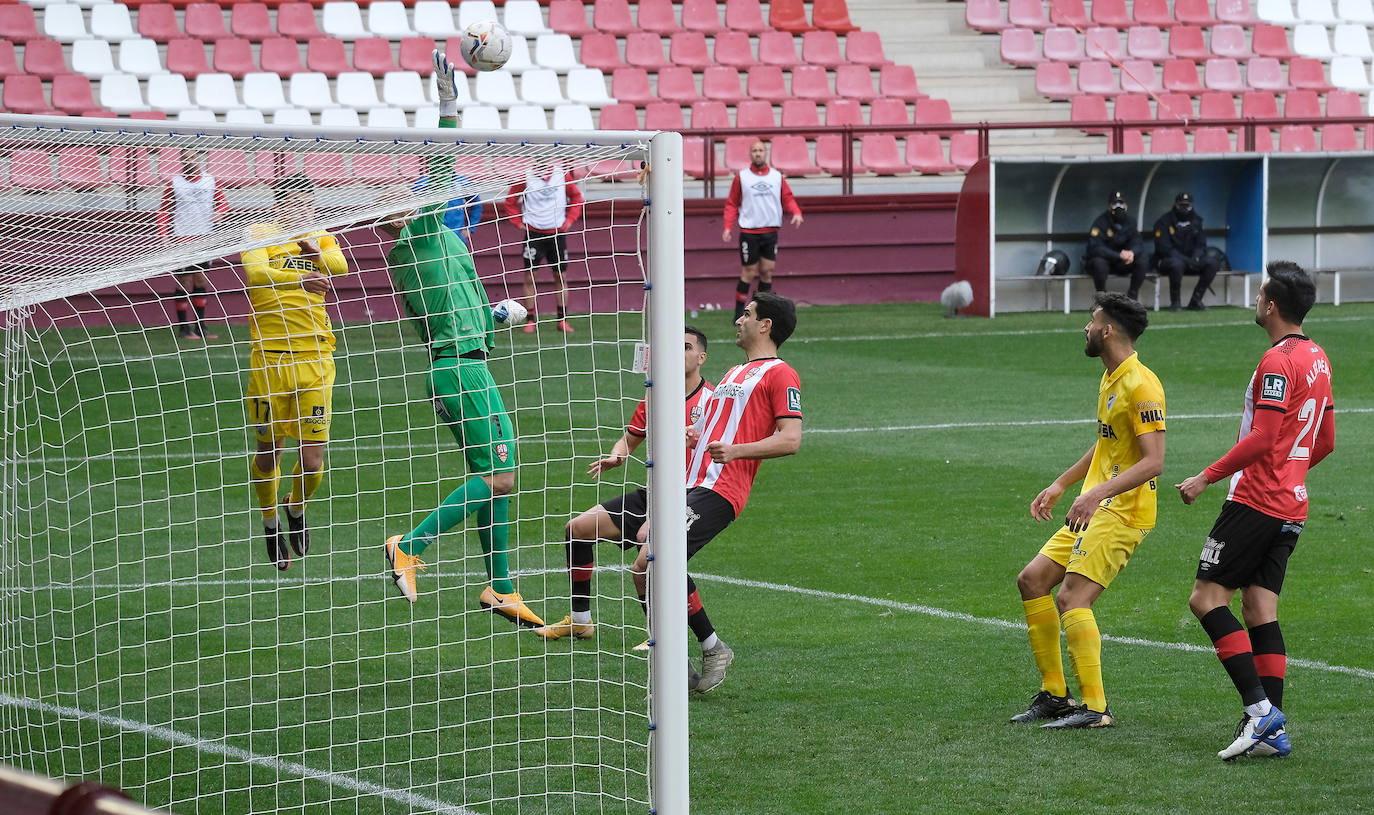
218,748
1034,422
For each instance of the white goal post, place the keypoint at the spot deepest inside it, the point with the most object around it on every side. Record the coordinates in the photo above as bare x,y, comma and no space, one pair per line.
149,641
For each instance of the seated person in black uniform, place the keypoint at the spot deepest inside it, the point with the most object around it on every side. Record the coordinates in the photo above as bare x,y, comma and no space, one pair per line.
1181,248
1114,248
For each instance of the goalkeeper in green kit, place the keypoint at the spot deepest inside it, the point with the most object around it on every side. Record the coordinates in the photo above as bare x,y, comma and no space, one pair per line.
434,273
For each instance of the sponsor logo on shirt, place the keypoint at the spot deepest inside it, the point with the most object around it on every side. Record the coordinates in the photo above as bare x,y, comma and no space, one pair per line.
794,400
1275,387
1211,553
752,372
1105,430
1147,416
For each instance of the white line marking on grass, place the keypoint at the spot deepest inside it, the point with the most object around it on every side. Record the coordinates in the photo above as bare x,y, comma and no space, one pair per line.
1032,422
217,748
932,611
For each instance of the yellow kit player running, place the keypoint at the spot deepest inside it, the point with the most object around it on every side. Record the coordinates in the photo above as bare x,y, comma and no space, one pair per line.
291,374
1103,526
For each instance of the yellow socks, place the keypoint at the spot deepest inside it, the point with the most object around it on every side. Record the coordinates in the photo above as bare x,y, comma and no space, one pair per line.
1042,624
1085,651
265,487
303,485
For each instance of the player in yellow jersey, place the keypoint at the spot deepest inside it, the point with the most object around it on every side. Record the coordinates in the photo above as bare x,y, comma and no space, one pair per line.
291,371
1102,528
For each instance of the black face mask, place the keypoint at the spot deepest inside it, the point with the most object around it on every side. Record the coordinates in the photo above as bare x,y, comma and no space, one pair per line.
1184,212
1118,213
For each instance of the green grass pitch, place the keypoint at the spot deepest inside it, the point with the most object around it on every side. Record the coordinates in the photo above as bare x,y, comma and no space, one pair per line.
868,590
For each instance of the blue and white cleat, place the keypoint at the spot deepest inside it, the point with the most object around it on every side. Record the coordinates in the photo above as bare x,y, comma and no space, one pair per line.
1257,731
1274,745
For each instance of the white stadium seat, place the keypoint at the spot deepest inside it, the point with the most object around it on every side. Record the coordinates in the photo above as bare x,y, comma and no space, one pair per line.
357,90
427,116
244,116
387,18
434,18
588,86
111,21
1350,73
342,19
262,90
1356,11
403,89
1316,11
64,22
216,92
90,3
539,86
519,61
475,11
1279,12
139,57
196,116
573,117
310,90
496,88
555,51
386,116
294,117
1310,40
481,117
525,17
120,93
526,117
168,92
1352,40
339,117
92,58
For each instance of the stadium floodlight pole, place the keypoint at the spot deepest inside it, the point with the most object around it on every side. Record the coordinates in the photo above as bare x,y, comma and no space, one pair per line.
667,495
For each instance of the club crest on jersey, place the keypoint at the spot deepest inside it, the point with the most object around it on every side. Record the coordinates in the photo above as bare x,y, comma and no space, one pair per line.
1111,400
503,452
1275,387
696,413
317,410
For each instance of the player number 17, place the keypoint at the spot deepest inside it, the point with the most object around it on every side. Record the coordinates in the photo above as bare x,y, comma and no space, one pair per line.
1311,417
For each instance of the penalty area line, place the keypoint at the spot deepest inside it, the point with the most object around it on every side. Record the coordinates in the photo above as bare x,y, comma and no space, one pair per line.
218,748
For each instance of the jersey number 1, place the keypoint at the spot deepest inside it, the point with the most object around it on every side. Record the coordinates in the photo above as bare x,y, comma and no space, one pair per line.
1311,417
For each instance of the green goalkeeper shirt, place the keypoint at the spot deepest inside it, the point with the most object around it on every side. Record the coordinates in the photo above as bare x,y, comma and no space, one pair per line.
435,274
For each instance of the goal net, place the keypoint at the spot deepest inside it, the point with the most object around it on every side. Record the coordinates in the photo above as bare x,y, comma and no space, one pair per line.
174,304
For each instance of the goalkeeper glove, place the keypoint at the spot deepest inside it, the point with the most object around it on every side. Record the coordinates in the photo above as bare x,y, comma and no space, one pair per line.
448,93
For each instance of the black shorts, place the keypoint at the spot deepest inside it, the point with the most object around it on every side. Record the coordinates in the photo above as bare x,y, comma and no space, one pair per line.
755,245
628,512
1248,548
707,516
550,249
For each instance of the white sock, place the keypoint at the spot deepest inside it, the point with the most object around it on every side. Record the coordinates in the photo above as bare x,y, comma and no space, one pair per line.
271,524
1258,709
710,642
582,617
295,513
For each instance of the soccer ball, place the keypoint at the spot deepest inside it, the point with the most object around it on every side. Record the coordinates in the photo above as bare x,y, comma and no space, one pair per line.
486,45
509,312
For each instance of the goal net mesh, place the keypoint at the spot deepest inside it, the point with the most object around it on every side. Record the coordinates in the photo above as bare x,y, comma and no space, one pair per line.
149,643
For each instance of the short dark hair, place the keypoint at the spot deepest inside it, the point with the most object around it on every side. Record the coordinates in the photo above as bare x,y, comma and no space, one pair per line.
290,185
1125,313
783,313
696,332
1290,289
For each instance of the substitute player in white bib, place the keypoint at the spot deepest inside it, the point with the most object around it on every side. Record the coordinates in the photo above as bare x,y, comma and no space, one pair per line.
758,198
545,204
192,204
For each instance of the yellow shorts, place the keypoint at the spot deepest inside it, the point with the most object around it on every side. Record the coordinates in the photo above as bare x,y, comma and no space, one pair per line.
290,395
1100,552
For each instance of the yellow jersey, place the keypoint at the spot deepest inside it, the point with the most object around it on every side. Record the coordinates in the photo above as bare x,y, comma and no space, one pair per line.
286,317
1130,403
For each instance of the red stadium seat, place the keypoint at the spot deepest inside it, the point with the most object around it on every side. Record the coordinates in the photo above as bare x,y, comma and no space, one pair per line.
1146,42
1139,75
1055,80
1095,76
251,21
1270,41
778,48
569,17
230,167
1132,107
888,112
1303,72
1339,137
703,16
1216,105
19,23
1102,42
1181,75
986,16
753,114
1342,103
601,51
1153,12
81,169
898,82
1085,108
205,21
722,83
1170,106
1302,105
9,62
854,82
326,169
619,116
765,82
158,21
1265,73
737,152
1223,75
1111,12
963,150
792,157
843,113
925,152
1061,45
687,48
830,154
281,56
32,169
788,15
72,93
711,113
1211,140
416,55
656,16
677,83
613,17
632,85
326,55
819,48
186,56
234,57
297,21
1264,140
1235,11
933,112
1168,140
1028,14
693,158
374,169
1229,41
663,116
644,49
1132,143
1019,47
733,50
1193,12
1068,13
811,82
44,58
24,94
1259,105
1297,139
832,15
878,152
1186,42
745,15
373,55
864,48
800,113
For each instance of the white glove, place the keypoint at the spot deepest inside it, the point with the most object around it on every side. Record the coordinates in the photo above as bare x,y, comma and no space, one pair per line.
448,93
509,312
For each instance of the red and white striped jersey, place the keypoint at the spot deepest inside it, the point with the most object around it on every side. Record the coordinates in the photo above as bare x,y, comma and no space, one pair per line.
1286,428
744,408
639,422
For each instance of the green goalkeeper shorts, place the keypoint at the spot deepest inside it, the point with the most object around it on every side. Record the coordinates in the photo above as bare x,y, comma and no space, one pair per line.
466,399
